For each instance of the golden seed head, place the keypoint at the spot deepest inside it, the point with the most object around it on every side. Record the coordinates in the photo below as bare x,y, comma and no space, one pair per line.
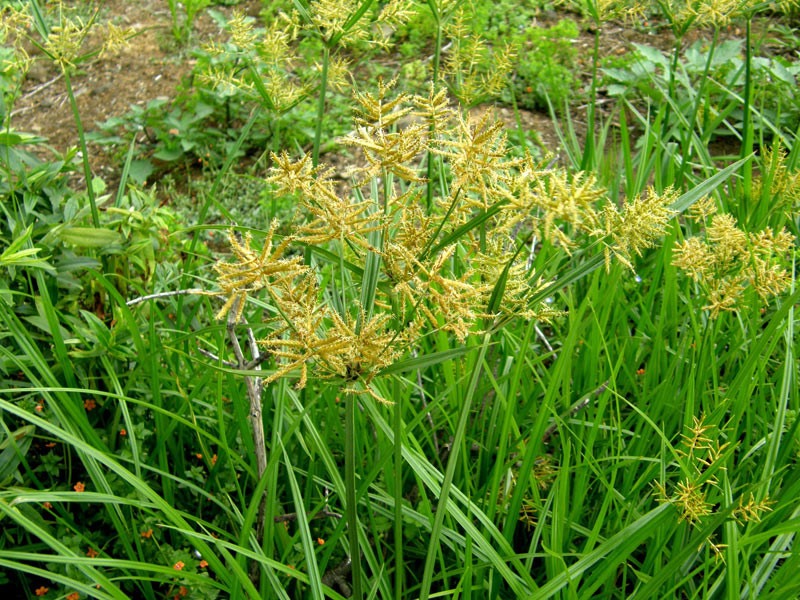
752,509
241,28
252,270
690,499
638,225
63,44
728,261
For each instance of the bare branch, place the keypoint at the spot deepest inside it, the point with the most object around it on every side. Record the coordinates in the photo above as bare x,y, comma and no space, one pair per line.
159,295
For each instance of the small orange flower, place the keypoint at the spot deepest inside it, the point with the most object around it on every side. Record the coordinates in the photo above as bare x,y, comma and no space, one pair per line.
73,596
182,591
178,566
147,534
50,445
79,487
89,404
123,432
203,564
47,506
640,372
39,408
91,552
41,591
320,541
199,456
214,459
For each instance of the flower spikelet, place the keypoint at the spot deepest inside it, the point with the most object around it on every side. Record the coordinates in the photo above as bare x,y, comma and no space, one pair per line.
254,270
365,345
728,261
447,302
694,257
384,148
396,13
224,81
275,46
716,13
376,110
64,42
116,39
338,73
337,218
410,236
518,290
783,184
690,499
13,21
434,108
302,338
729,242
561,200
703,209
637,226
724,295
242,32
478,160
752,509
292,177
331,17
389,151
475,70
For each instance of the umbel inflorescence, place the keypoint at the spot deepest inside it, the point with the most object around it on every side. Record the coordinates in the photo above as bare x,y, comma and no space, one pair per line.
728,263
383,267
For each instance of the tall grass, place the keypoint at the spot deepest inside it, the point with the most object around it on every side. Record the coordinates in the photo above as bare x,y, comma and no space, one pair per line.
637,445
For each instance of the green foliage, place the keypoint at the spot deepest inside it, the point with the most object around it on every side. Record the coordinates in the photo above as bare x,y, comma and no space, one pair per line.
183,16
647,73
545,72
544,57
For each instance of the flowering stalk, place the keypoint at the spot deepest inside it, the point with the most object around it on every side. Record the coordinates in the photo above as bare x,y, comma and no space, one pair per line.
351,508
87,169
322,91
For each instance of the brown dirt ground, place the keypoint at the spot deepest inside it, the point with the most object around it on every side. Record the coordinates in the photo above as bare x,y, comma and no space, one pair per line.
151,67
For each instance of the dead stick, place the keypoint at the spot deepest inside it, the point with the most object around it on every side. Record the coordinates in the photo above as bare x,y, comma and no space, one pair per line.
256,421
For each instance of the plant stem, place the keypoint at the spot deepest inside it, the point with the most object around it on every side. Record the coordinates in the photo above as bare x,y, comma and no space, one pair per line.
399,568
87,169
747,127
588,159
323,89
351,513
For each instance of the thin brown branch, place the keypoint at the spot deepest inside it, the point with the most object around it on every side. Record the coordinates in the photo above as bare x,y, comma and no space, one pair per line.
256,420
159,295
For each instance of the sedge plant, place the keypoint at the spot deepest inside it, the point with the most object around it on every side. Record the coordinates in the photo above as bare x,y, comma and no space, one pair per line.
503,378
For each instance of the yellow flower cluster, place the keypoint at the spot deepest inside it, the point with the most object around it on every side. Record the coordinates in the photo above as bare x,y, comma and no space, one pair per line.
396,267
702,456
65,42
728,261
272,72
